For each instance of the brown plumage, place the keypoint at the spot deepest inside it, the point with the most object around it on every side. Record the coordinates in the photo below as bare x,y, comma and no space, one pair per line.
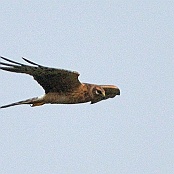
61,86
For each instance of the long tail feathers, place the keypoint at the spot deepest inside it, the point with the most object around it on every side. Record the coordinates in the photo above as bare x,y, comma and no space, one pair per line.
32,101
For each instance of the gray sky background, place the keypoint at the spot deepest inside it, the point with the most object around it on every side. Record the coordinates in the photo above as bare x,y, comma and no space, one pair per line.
126,43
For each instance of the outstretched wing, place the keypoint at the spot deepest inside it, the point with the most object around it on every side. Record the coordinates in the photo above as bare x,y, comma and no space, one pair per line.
51,79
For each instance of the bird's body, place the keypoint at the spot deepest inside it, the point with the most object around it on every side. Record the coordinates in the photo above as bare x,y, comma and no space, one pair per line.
73,97
61,86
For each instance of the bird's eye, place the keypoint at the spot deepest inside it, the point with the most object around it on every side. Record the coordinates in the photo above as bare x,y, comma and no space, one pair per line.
98,92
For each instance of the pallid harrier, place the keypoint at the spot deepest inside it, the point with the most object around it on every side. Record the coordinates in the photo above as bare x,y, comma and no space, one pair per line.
61,86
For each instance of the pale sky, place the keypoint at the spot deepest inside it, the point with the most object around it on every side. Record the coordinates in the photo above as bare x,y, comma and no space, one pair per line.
125,43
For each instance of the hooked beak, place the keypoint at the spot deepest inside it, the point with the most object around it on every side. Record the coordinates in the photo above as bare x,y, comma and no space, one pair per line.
118,91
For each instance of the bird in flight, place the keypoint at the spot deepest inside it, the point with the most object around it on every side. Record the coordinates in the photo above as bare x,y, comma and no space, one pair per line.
61,86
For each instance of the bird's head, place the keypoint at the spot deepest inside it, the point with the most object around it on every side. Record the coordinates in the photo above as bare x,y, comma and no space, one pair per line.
103,92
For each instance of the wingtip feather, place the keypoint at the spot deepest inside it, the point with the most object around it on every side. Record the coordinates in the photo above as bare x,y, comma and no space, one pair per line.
8,60
29,61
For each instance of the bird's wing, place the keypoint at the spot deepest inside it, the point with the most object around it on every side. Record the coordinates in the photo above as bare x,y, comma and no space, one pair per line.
51,79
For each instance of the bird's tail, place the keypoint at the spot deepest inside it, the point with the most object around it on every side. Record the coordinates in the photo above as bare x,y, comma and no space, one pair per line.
33,101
